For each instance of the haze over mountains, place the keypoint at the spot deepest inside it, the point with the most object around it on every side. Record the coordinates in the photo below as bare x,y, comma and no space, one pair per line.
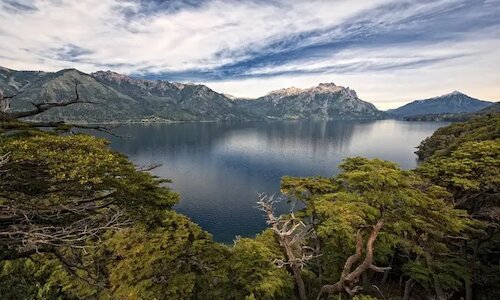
120,98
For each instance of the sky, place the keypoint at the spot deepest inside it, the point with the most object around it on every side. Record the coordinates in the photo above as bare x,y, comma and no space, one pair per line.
389,51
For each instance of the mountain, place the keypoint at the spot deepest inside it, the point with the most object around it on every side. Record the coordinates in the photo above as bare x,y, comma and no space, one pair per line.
118,98
456,117
325,101
454,102
177,101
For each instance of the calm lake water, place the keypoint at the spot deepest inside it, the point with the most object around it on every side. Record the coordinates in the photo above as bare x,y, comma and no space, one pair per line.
219,168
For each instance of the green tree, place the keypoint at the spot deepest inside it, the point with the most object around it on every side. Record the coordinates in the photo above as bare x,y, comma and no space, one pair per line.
468,165
371,211
60,190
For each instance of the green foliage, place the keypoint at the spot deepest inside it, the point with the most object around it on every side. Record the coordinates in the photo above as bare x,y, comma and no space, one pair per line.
465,158
253,271
448,138
416,216
177,260
28,279
472,166
47,169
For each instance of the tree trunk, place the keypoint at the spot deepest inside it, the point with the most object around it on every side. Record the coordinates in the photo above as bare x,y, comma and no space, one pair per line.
295,268
408,287
349,277
318,258
468,288
440,295
300,283
386,273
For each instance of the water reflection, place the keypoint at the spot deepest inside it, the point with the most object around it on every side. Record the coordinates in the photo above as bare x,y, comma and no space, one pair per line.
219,168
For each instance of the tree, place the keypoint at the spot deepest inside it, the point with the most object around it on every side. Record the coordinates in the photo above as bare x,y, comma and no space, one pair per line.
378,211
61,190
446,139
468,165
176,260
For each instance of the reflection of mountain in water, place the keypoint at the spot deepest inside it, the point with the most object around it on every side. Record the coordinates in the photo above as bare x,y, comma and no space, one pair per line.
315,136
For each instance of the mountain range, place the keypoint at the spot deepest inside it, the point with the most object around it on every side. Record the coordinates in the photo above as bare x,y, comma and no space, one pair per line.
121,98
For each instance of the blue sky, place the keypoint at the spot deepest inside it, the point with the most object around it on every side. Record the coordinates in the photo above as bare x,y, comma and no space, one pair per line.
390,52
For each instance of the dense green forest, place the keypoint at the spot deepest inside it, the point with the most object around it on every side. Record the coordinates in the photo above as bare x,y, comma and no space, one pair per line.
80,221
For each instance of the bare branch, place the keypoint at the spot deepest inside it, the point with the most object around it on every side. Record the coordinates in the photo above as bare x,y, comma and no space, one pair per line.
44,106
292,235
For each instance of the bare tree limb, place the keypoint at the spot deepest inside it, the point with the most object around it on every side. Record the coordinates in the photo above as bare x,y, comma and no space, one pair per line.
42,107
292,234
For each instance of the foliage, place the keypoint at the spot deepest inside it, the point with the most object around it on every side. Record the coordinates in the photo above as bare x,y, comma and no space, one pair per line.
177,260
253,271
470,168
78,166
62,190
416,215
448,138
465,158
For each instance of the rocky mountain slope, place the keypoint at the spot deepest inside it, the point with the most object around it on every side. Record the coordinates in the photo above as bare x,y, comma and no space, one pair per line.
456,117
120,98
454,102
325,101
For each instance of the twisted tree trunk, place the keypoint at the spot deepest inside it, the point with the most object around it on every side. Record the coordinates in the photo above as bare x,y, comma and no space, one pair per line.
348,278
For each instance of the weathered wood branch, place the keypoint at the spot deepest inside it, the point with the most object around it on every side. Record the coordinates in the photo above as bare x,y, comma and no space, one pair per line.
291,233
41,107
31,237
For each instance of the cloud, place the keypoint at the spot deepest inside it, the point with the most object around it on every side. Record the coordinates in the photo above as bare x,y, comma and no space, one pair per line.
17,6
237,42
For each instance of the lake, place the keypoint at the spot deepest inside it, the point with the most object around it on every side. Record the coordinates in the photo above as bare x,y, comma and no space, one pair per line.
219,168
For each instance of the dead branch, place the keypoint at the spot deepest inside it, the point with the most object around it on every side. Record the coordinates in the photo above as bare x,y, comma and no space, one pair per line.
292,235
11,120
29,235
41,107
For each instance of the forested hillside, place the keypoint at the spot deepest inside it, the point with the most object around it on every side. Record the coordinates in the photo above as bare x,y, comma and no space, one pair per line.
80,221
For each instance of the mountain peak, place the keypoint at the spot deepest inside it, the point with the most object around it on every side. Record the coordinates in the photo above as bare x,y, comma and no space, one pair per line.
112,76
454,93
454,102
328,87
289,91
327,84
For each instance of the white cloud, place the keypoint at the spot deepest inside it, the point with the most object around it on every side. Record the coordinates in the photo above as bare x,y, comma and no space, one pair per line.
164,41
